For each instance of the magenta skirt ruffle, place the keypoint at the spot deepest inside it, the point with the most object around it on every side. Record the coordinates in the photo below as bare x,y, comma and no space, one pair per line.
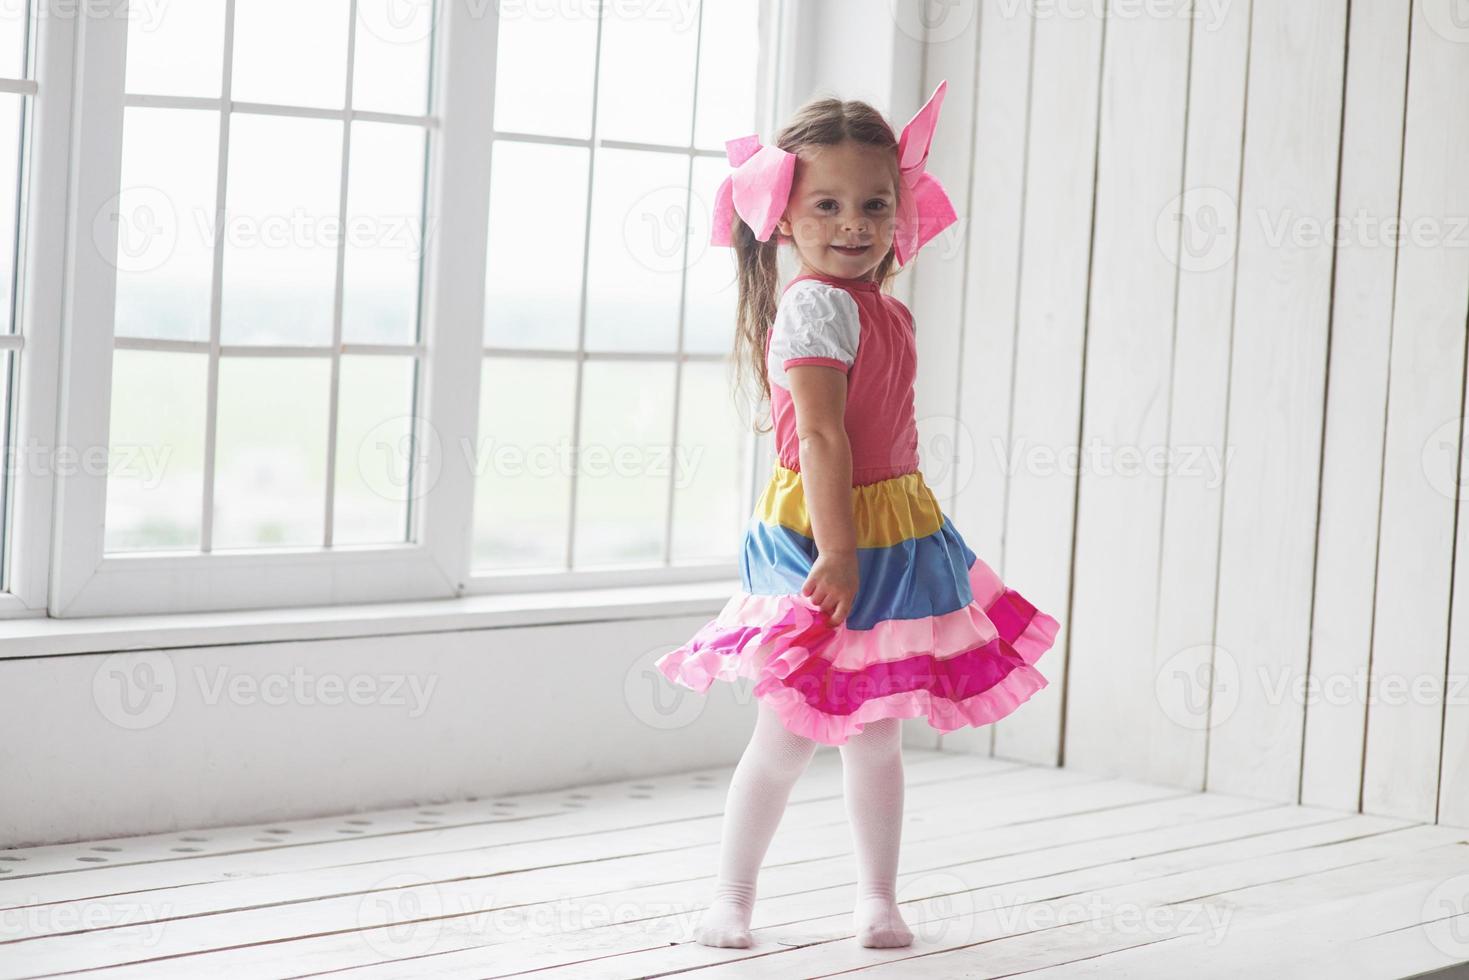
965,668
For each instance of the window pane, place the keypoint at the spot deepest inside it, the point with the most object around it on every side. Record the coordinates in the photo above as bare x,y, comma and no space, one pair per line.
713,287
165,256
707,513
543,72
176,48
647,49
13,17
11,127
280,261
384,234
291,53
522,463
270,452
155,479
728,49
390,63
624,464
374,450
538,202
636,262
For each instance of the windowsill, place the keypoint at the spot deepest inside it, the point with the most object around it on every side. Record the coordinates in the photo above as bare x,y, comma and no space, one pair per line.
58,637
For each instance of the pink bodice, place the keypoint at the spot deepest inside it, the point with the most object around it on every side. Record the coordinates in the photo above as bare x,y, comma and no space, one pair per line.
880,419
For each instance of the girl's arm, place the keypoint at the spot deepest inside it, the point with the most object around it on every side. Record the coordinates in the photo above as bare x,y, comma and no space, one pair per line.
819,394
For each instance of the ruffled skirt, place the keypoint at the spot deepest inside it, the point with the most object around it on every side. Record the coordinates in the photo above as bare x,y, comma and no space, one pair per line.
933,632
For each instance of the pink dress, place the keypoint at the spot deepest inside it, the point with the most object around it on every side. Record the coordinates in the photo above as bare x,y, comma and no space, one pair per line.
933,632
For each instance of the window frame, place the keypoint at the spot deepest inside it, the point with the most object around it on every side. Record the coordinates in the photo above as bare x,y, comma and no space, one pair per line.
87,581
38,309
436,560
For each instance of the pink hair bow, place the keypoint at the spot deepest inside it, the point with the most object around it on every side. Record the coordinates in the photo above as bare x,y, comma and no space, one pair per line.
760,187
757,190
925,208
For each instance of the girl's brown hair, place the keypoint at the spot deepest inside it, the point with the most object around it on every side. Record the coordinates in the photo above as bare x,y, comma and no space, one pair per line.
820,122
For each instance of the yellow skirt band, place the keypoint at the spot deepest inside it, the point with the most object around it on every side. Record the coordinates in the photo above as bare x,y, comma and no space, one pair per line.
886,513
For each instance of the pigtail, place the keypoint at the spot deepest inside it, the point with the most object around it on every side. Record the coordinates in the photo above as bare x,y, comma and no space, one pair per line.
759,281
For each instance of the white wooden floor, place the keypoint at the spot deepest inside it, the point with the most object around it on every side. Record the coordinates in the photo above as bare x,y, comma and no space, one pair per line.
1007,870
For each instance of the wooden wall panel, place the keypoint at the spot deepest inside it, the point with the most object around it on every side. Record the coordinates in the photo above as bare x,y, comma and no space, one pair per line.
1405,732
1356,398
1112,711
1207,214
996,193
1277,384
1055,255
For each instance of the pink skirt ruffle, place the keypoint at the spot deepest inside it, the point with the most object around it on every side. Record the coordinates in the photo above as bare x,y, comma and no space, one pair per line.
966,668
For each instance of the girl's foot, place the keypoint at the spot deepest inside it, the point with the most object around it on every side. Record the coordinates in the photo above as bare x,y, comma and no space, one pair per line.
726,923
880,925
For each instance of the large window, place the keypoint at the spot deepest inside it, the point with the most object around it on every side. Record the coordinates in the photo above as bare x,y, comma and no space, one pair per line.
607,438
305,394
261,354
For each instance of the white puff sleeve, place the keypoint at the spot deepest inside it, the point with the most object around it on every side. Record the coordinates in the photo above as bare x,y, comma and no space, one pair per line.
815,323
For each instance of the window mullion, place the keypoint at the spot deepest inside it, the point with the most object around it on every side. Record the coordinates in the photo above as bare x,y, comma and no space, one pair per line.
267,109
453,307
35,340
216,289
683,290
90,285
334,385
581,318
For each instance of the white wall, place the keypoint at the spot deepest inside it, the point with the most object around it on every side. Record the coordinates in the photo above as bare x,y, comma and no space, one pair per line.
105,745
1147,268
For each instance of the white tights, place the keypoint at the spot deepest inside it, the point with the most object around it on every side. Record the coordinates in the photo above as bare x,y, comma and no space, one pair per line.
872,776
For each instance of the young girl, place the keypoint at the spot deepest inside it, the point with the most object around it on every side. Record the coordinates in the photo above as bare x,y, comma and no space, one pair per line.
861,603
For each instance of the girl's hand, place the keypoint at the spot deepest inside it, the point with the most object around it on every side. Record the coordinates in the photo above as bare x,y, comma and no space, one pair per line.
832,584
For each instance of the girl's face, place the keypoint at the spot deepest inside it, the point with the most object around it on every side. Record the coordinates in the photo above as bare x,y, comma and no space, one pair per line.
841,209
